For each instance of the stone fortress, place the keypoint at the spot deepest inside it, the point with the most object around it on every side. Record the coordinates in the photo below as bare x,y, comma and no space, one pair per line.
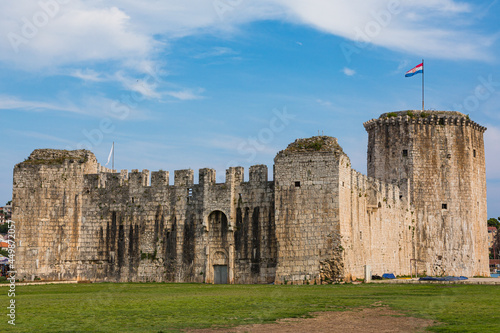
422,208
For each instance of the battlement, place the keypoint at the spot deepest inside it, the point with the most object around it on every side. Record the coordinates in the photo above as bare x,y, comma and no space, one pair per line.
370,186
108,178
319,220
414,117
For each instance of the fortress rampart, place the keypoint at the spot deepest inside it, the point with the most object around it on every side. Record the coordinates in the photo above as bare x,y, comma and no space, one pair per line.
317,221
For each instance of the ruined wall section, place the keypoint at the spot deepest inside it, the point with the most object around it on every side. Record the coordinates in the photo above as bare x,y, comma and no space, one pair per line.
47,207
441,155
375,223
307,212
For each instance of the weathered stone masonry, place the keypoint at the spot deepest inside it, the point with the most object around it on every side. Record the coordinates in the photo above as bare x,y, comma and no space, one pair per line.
319,221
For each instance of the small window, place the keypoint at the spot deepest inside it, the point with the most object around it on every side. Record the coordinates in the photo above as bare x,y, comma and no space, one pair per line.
297,184
405,153
444,206
474,152
190,192
370,158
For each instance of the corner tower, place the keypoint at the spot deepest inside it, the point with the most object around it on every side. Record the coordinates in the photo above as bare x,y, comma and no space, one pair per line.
439,157
306,180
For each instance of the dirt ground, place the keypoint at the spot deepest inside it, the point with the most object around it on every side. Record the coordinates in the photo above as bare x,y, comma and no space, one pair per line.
377,319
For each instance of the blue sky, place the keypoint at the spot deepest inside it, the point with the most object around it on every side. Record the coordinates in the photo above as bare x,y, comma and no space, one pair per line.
218,83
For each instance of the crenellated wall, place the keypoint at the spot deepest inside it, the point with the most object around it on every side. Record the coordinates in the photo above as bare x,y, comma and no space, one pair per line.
318,221
124,227
376,225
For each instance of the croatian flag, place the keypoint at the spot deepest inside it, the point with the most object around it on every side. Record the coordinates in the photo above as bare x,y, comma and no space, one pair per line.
415,70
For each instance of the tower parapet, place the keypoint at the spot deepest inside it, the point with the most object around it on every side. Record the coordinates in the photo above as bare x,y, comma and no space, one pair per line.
424,118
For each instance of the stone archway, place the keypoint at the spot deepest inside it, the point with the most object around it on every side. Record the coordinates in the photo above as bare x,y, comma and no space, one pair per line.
220,261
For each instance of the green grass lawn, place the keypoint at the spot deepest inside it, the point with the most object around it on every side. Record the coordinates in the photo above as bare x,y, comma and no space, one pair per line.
150,307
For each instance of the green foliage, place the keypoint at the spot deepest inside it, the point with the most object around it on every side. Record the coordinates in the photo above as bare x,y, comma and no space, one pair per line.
493,222
139,307
4,228
424,115
315,145
149,256
410,114
392,114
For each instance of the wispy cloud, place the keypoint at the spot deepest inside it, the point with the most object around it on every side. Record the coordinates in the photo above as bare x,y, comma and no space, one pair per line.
88,75
127,31
216,52
348,71
40,136
186,94
324,103
147,88
14,103
91,106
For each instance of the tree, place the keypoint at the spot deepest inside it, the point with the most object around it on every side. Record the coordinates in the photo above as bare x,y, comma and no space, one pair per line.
493,222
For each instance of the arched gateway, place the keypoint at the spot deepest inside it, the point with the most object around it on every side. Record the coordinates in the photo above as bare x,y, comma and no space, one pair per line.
220,249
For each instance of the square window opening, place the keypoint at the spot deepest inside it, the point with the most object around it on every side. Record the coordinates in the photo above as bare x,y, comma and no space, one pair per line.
444,206
297,184
405,152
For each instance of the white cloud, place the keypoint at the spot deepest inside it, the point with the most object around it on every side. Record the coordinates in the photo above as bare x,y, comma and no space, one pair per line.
92,106
76,32
147,87
39,136
409,27
130,31
348,71
216,52
14,103
186,94
324,103
87,75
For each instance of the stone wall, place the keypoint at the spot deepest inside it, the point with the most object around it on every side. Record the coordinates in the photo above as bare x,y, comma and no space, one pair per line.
121,227
376,225
307,212
319,221
440,156
331,220
47,207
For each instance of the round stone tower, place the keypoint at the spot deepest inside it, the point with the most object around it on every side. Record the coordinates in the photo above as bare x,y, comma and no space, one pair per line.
437,159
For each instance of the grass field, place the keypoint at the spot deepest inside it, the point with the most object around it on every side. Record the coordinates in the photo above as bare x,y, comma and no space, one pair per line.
149,307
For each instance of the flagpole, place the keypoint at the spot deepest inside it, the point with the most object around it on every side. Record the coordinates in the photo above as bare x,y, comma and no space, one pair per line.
423,70
113,163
